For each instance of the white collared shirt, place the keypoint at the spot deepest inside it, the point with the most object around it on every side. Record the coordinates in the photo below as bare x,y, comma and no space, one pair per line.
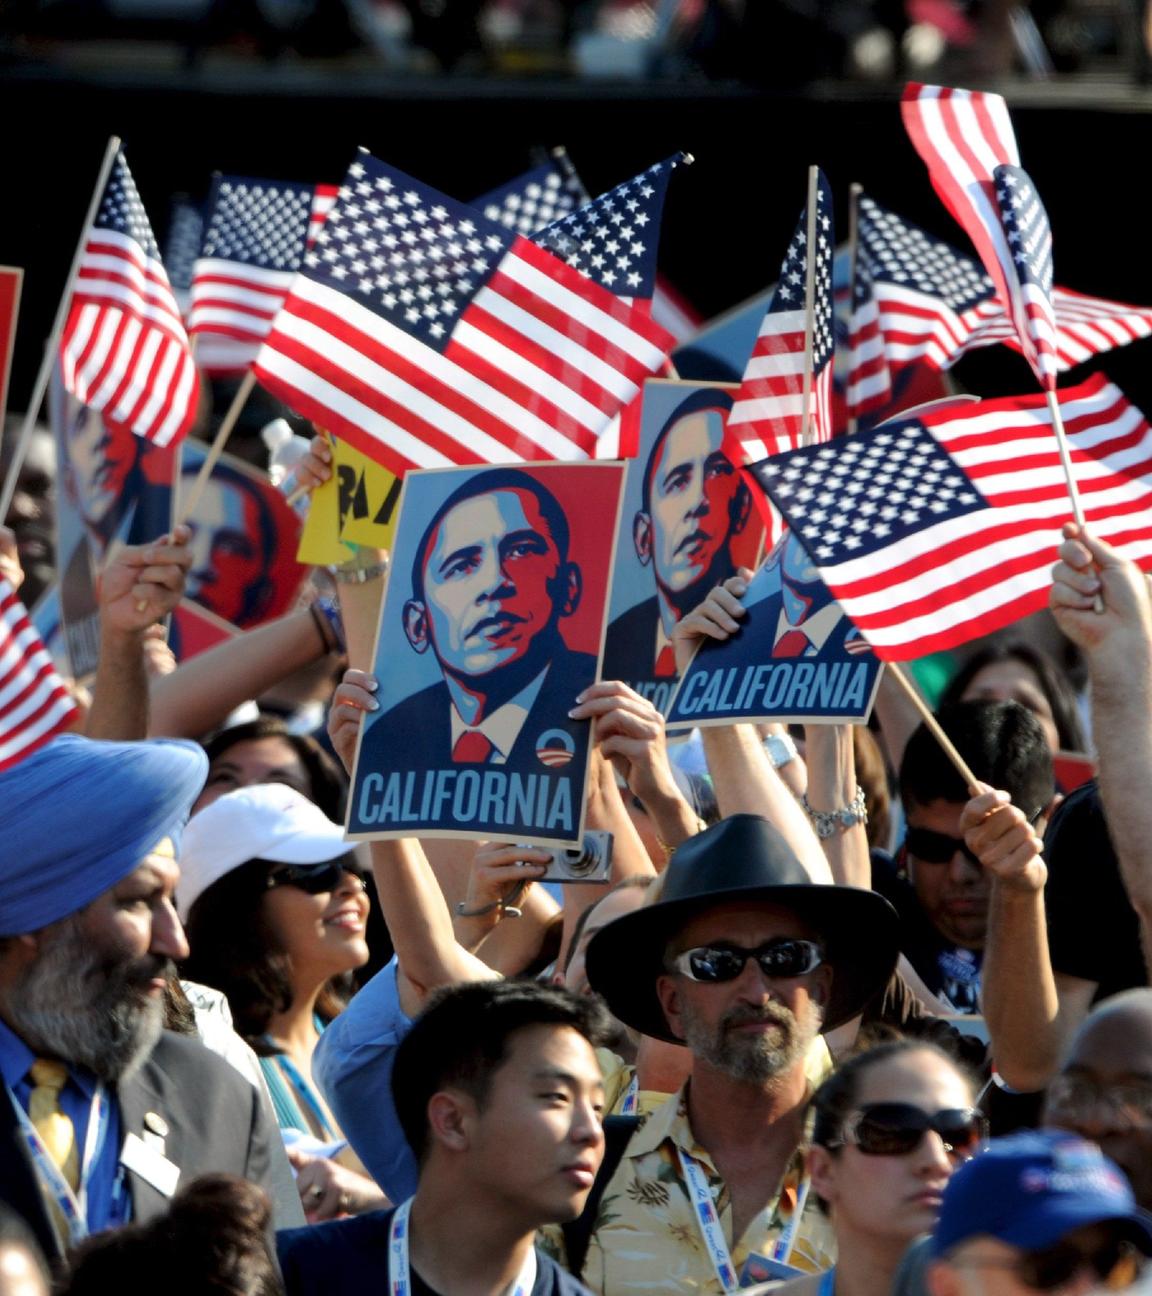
503,726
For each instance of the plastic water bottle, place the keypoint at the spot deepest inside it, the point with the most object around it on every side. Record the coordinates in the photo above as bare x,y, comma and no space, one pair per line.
285,450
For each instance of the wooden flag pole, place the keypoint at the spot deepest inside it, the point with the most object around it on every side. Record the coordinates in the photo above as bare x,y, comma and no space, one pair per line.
1066,462
53,344
217,447
854,192
958,762
809,305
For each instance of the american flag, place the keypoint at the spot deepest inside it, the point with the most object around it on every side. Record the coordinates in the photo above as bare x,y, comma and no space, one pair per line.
767,416
935,530
1030,276
34,704
254,242
182,247
535,199
919,300
614,238
427,335
124,350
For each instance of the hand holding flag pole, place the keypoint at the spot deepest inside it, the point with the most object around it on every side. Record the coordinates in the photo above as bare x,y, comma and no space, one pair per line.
52,347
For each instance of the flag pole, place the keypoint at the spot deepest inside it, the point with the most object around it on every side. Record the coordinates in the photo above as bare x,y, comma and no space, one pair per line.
809,305
1066,463
854,192
54,337
949,748
217,447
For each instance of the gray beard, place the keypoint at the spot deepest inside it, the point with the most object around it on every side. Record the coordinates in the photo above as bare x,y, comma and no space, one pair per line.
752,1059
74,1005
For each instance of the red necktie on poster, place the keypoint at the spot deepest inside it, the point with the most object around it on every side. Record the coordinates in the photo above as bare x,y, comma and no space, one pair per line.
666,662
792,643
471,748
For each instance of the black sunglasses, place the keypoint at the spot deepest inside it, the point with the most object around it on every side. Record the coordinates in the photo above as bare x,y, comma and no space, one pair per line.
896,1129
777,958
313,878
1117,1264
934,847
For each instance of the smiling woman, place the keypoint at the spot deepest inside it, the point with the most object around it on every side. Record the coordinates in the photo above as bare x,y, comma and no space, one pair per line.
276,912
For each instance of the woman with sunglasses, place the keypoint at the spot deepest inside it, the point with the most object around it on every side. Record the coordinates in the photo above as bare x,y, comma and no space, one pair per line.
275,910
889,1127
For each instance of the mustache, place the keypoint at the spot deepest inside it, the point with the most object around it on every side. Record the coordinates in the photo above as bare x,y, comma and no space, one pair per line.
774,1016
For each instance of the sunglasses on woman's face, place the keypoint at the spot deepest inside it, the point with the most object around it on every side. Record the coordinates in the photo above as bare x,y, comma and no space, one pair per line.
895,1129
1116,1264
313,878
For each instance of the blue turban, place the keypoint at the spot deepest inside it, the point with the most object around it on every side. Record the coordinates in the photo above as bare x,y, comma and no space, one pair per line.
79,815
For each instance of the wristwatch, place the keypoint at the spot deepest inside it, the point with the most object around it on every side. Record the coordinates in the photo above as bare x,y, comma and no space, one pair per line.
780,748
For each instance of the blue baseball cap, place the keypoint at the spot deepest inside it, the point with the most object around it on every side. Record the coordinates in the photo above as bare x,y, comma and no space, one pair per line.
1030,1189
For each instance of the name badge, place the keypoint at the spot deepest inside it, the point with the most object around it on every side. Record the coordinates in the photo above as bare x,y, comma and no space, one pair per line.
150,1164
761,1268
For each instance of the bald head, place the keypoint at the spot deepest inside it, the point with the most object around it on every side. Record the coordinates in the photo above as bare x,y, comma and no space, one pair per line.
1104,1090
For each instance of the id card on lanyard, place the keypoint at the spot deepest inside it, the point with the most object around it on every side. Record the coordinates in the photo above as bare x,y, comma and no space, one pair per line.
73,1206
400,1273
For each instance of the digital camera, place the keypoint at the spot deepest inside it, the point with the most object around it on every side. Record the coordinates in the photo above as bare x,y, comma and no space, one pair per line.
589,862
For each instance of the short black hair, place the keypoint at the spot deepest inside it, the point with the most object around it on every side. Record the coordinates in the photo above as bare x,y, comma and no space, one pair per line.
1003,745
484,484
1053,684
462,1039
697,403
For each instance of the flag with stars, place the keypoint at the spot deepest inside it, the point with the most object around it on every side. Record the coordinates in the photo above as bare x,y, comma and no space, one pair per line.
1029,275
34,704
774,397
254,242
614,238
534,200
427,335
933,531
124,350
182,247
917,300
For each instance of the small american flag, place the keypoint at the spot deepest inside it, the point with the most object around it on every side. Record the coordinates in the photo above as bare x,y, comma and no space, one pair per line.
918,300
182,247
427,335
767,416
614,238
933,531
124,350
534,199
34,704
1030,278
254,242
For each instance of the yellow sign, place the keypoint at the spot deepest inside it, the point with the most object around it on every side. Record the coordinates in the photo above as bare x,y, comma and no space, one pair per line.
368,495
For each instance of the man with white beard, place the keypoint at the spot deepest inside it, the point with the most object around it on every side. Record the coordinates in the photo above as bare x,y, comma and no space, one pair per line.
104,1114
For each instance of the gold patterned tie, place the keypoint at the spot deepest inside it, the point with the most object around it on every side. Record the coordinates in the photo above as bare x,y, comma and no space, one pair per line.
54,1127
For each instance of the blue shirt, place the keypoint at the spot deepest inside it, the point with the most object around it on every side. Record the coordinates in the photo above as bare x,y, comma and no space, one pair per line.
353,1067
109,1203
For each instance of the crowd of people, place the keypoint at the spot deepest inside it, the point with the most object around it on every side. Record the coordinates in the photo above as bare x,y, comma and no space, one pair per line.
838,1021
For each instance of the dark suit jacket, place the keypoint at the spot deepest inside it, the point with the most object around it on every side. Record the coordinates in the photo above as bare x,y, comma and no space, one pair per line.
630,644
417,734
217,1121
349,1257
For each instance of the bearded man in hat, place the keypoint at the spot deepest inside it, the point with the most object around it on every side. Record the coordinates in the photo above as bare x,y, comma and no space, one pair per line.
745,961
104,1114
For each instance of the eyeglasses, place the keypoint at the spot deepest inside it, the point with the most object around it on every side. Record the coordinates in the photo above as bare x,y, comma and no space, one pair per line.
777,958
939,848
1129,1105
1116,1263
313,878
896,1129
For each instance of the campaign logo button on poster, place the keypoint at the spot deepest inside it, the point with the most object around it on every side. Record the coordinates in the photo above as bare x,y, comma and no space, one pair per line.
555,747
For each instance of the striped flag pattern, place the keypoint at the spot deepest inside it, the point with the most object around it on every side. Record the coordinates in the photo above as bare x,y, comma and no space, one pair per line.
767,415
427,335
935,530
254,241
34,704
1029,276
917,300
124,350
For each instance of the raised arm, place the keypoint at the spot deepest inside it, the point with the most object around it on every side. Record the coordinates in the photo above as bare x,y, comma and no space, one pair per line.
1117,646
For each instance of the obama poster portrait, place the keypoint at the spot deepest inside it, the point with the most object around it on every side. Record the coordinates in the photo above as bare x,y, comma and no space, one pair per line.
688,523
492,625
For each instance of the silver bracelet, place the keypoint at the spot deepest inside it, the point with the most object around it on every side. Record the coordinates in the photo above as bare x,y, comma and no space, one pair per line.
352,575
826,822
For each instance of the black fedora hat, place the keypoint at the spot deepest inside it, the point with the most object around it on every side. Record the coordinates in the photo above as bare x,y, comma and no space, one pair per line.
743,858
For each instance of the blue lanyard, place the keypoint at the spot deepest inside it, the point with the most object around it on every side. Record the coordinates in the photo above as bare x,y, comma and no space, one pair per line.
400,1274
827,1282
73,1206
304,1093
